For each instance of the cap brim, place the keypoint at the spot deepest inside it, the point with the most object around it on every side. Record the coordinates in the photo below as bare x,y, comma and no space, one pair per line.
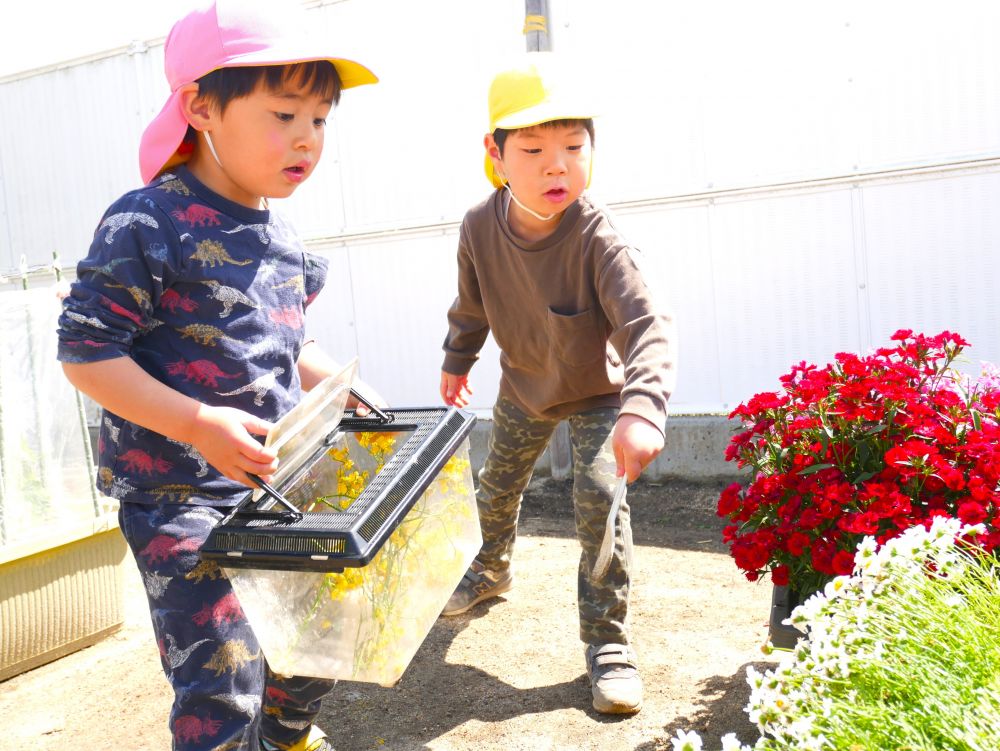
351,73
544,113
161,138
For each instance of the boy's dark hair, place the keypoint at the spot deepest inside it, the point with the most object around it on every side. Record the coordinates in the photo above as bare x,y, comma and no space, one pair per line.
500,134
223,85
226,84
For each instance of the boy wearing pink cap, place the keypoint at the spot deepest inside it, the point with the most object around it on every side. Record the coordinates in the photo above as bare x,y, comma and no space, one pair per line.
186,324
583,338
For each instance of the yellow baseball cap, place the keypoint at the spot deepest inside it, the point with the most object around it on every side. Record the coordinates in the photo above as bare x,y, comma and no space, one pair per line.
537,89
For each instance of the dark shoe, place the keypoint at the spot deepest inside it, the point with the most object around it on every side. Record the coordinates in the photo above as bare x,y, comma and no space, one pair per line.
478,584
614,678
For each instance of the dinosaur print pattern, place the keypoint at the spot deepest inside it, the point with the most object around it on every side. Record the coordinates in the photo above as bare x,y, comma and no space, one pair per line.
190,727
171,299
204,570
175,492
138,294
175,657
97,323
228,296
297,282
197,215
164,548
205,296
267,269
259,387
117,309
267,348
190,452
175,186
119,488
108,269
290,317
226,610
203,372
205,642
155,584
203,333
116,222
137,460
259,229
212,253
158,251
230,657
244,702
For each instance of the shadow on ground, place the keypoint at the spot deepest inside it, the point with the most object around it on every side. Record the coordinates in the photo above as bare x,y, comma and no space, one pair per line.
442,704
436,696
677,515
722,700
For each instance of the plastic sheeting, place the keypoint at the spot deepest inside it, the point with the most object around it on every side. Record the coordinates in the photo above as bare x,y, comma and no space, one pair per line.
46,470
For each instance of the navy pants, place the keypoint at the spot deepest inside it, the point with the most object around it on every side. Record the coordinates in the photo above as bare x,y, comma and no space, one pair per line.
225,697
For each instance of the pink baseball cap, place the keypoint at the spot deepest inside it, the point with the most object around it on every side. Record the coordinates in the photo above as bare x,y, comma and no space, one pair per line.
229,34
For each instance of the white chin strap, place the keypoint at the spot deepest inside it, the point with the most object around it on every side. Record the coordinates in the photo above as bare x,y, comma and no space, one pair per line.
211,147
535,214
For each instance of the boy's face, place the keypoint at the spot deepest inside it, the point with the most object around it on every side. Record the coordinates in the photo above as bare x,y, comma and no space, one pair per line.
547,168
268,143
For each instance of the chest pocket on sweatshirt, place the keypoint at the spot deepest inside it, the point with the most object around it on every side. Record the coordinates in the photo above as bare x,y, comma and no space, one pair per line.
575,338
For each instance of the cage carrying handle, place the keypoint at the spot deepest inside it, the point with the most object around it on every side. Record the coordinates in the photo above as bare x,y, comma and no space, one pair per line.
380,416
293,513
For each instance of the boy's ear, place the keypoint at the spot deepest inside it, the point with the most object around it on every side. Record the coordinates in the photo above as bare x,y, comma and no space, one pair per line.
491,146
197,110
493,151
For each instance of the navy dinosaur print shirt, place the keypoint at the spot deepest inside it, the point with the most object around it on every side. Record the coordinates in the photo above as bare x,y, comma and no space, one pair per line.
207,296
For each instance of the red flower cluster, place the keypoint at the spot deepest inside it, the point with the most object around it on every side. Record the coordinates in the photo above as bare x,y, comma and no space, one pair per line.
865,446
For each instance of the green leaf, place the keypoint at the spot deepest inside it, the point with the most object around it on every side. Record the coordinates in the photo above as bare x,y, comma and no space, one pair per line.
814,468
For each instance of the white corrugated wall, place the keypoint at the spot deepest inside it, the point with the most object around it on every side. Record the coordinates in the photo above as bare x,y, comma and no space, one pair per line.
804,177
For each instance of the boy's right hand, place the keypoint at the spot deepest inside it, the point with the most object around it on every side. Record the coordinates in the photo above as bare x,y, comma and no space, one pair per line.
224,436
455,389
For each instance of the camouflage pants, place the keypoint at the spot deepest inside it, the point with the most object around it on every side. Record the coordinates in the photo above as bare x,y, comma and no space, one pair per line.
225,697
515,444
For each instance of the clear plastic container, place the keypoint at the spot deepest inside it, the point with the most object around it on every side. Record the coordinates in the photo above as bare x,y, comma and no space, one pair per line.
366,623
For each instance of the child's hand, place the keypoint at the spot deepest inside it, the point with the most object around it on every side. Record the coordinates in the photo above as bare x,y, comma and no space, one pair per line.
223,436
636,442
455,389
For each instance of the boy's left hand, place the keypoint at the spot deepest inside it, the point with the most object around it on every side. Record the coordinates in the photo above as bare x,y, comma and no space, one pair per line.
636,442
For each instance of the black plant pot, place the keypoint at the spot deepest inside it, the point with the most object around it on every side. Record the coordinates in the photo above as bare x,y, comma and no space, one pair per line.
783,602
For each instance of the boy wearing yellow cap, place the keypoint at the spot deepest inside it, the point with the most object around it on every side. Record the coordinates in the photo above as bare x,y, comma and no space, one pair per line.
186,324
583,338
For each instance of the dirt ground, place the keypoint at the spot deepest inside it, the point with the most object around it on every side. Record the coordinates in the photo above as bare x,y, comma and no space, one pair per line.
507,675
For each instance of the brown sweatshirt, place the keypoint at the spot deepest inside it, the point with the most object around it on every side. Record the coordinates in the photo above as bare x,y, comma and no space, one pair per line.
577,326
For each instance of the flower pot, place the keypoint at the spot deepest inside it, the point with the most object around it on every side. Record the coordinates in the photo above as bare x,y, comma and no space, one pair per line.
783,602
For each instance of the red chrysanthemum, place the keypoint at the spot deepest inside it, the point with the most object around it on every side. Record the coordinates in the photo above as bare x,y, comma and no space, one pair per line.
867,445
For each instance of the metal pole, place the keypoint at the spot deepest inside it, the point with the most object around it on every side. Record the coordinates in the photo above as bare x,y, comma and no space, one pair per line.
43,501
536,25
